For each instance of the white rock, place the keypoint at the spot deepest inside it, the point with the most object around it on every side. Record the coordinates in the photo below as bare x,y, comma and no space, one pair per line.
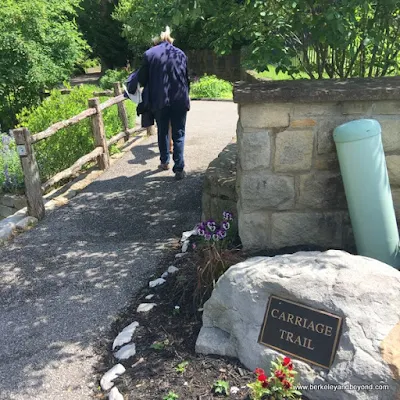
362,290
234,390
125,336
186,235
164,275
115,394
106,381
185,246
126,352
145,307
149,296
6,233
180,255
157,282
25,223
11,221
172,269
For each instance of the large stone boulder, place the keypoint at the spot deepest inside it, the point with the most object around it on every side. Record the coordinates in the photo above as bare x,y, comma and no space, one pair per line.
365,292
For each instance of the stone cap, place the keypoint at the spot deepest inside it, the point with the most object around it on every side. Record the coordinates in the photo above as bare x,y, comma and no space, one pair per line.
324,90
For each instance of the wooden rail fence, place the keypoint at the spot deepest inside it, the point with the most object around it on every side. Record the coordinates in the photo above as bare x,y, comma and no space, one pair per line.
34,189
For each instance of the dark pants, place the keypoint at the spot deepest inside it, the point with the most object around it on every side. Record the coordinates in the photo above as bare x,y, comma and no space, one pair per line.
177,117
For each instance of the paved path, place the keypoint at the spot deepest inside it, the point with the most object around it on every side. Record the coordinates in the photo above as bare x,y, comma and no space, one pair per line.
62,283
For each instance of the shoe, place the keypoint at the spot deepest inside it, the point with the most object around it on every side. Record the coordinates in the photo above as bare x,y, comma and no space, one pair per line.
180,175
164,167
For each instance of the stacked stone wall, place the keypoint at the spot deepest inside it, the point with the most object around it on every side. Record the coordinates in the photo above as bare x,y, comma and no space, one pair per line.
289,185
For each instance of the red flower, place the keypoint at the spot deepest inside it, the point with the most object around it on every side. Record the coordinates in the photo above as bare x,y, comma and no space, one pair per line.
280,375
291,375
286,384
286,361
259,371
265,384
290,366
262,378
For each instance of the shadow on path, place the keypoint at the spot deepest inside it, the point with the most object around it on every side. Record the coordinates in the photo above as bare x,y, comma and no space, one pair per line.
63,283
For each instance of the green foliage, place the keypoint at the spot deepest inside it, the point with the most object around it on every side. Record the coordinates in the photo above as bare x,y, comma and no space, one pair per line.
211,87
160,345
171,396
323,38
11,176
181,368
221,387
103,33
62,149
39,46
144,19
111,76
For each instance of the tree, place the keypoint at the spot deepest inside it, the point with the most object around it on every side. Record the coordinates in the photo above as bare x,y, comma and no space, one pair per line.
39,46
321,38
144,19
103,33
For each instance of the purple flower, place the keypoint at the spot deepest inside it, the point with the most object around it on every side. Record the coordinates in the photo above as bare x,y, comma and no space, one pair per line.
222,234
211,225
227,216
226,225
194,246
215,237
207,236
201,232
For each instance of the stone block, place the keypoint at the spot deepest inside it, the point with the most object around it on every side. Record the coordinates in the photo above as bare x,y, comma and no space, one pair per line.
294,151
6,211
328,162
255,150
308,228
302,123
325,143
315,109
393,166
390,133
386,108
254,230
267,115
321,190
357,107
264,190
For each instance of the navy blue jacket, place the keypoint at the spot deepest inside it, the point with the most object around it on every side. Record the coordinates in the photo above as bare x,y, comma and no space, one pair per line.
164,74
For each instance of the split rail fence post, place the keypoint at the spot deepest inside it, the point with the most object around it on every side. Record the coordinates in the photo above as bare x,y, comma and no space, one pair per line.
33,187
103,161
122,111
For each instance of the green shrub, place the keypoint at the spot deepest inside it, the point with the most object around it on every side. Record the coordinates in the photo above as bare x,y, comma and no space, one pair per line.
210,87
111,76
11,176
62,149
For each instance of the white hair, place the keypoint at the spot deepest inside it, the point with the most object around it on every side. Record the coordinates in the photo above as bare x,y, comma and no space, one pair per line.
166,35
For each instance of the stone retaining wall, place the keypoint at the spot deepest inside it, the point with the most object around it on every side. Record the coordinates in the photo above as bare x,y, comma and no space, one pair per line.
219,187
289,186
10,204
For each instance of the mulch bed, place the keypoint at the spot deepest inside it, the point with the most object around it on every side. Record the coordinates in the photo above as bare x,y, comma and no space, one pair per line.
165,338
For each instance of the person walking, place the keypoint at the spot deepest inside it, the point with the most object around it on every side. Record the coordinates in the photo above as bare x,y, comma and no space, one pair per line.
164,74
